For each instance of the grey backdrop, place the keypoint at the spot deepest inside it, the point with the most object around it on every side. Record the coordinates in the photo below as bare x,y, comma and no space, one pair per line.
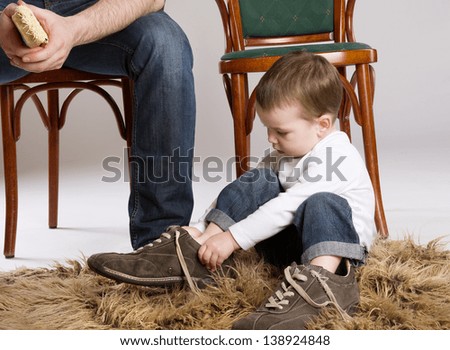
411,101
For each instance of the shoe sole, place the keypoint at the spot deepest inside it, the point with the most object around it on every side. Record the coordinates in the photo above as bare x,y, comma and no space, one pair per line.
149,281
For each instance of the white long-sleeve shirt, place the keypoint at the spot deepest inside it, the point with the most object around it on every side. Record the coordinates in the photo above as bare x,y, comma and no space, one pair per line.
333,165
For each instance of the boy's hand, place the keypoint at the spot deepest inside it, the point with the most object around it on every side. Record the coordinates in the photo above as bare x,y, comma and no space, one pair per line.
193,231
217,249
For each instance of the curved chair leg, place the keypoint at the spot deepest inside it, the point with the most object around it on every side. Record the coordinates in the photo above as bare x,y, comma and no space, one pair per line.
53,157
239,112
344,110
370,147
10,169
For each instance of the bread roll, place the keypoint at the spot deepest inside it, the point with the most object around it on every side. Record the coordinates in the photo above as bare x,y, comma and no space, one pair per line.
29,27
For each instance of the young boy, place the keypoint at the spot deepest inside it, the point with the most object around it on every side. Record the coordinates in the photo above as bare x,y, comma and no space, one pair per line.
309,201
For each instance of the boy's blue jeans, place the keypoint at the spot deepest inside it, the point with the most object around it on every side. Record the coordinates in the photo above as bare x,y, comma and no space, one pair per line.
156,54
322,224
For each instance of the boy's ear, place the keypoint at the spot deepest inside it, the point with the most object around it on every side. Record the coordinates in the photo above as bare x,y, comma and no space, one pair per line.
325,123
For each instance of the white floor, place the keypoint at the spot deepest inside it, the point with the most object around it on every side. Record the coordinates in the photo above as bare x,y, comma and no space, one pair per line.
93,214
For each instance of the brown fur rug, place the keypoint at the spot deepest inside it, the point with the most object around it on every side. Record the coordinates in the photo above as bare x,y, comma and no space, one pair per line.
403,286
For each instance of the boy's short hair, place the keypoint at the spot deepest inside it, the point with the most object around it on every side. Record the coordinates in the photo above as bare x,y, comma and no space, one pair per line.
304,78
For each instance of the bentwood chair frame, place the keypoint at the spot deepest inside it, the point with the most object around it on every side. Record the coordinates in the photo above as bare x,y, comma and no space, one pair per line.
335,41
53,119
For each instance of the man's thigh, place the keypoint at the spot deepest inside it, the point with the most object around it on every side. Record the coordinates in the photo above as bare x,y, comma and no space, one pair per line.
128,51
38,3
8,72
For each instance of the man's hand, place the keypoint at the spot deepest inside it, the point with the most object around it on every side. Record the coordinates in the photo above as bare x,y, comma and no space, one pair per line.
39,59
217,249
10,40
54,54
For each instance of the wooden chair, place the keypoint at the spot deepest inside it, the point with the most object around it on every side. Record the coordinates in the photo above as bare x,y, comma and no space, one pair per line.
53,119
323,27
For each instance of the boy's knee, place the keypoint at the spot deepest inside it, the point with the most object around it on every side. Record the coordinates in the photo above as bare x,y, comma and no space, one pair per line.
325,198
325,203
262,176
260,183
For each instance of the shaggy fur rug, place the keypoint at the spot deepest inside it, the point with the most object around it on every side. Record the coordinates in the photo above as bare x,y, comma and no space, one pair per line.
403,286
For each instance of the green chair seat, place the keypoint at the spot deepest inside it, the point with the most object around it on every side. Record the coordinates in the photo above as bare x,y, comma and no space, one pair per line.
279,51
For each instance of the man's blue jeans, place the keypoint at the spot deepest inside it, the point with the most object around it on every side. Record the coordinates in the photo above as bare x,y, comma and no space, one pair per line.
322,224
156,54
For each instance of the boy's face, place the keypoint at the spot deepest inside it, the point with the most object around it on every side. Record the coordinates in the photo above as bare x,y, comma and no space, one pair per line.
289,130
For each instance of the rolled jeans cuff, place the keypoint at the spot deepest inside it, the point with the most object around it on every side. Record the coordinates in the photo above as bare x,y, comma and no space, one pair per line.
354,252
219,218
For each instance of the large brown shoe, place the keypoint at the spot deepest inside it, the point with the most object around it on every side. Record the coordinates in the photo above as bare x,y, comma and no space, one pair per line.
301,296
170,260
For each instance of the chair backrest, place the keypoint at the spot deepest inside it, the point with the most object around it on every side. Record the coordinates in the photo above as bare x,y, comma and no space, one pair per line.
275,22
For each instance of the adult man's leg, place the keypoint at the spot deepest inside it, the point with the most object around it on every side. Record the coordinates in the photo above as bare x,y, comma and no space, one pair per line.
8,73
155,53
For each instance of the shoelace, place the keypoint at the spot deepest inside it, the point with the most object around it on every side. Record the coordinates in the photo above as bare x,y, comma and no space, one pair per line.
156,241
180,256
183,264
279,299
